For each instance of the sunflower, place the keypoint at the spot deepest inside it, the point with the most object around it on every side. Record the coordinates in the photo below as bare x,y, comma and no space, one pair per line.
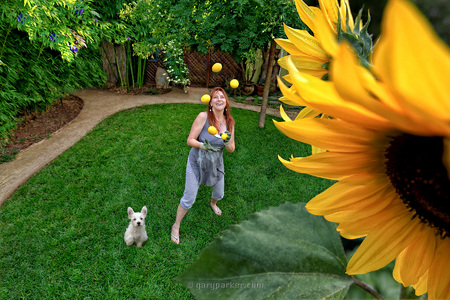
388,147
312,53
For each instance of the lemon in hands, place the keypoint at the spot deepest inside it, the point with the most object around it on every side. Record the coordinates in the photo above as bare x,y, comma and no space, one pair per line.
205,98
224,136
234,83
212,130
217,67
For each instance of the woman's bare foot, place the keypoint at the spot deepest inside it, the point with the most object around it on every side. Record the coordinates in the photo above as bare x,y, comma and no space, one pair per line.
174,234
215,209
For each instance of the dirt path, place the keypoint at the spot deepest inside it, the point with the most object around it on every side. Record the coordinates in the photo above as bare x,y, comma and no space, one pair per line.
98,105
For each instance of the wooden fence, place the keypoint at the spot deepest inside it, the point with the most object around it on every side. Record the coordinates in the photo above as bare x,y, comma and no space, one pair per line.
199,66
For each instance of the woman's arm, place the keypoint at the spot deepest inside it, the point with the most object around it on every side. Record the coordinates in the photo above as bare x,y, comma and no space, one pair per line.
196,129
230,147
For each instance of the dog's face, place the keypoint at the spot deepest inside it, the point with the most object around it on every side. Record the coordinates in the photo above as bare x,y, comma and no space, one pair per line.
137,218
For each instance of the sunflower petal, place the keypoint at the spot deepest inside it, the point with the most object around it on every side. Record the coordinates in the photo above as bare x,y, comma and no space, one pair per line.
303,62
326,36
307,113
306,14
438,276
352,198
346,16
320,95
327,134
334,165
330,9
415,260
422,285
305,42
384,243
284,115
362,227
290,97
407,38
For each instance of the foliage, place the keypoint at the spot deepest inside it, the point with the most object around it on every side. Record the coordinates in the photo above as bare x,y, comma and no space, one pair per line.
38,58
283,252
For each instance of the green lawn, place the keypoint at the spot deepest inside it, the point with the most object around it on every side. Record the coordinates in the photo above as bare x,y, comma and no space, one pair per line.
61,234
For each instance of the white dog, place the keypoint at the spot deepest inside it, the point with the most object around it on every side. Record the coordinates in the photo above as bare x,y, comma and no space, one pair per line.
135,233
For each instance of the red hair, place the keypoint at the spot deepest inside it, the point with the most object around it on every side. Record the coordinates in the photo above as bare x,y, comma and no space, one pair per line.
226,112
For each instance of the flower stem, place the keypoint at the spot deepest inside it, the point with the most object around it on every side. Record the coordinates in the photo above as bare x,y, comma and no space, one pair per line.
368,288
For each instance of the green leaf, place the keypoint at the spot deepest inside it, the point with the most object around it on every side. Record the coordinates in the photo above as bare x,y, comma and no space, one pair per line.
284,252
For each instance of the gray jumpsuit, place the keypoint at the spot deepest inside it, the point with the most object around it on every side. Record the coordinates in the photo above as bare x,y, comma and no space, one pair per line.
204,166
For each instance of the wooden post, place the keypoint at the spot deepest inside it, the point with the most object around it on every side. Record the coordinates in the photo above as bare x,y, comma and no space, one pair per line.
262,114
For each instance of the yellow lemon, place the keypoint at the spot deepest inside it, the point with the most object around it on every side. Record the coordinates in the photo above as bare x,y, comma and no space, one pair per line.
212,130
217,67
205,98
234,83
224,136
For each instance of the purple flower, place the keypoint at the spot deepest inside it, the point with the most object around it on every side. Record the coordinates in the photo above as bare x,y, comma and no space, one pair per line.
95,19
74,49
52,37
19,18
79,10
128,38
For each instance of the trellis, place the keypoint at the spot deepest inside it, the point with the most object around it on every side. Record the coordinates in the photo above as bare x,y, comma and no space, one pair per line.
199,66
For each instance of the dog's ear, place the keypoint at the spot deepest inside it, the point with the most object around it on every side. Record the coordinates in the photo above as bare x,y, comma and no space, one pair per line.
144,211
130,212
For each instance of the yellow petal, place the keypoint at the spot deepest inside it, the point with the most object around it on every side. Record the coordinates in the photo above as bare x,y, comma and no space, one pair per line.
334,165
422,286
346,15
290,95
362,227
321,96
304,62
352,198
438,276
327,134
384,243
413,61
326,36
306,14
307,113
415,260
284,115
305,42
330,9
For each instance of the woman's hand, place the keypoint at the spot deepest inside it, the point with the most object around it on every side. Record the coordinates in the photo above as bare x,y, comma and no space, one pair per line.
207,146
228,139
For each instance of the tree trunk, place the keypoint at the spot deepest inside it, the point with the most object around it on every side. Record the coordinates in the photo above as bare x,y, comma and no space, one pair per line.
264,67
262,115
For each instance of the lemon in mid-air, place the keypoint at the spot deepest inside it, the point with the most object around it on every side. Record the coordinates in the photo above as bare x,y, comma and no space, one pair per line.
234,83
224,136
217,67
205,98
212,130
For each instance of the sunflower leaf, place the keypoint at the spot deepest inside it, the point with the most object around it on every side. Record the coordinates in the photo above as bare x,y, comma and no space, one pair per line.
283,252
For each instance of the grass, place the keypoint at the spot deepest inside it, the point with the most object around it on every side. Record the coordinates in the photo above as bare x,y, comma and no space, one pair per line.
61,234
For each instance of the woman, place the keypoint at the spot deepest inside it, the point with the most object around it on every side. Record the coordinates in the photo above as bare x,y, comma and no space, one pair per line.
205,161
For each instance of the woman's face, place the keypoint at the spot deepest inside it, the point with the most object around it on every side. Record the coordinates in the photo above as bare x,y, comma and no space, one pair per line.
219,101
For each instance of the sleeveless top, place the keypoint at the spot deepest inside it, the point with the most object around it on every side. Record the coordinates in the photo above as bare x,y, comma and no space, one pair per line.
208,165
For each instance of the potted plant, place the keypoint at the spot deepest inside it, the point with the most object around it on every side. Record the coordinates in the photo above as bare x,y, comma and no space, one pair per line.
248,66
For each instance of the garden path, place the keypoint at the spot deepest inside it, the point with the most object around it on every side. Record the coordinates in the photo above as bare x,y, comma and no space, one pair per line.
98,105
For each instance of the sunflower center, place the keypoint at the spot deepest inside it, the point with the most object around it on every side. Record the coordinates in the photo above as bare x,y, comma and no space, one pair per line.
415,168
